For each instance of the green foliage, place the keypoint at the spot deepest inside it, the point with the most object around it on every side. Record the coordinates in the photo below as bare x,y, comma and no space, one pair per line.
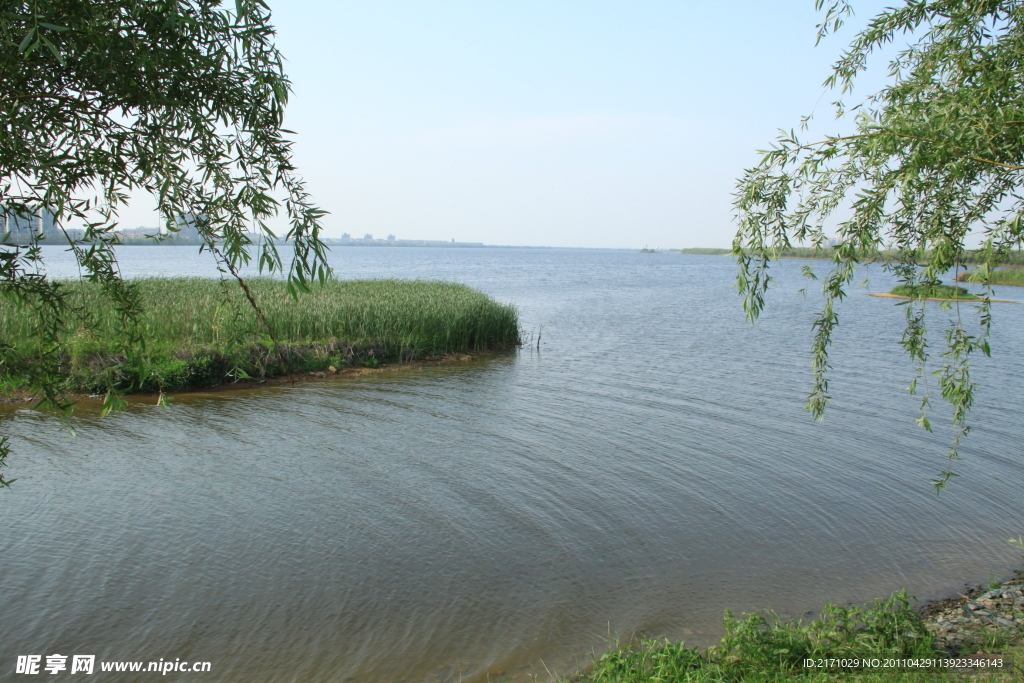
183,99
203,332
1000,276
936,156
933,292
763,648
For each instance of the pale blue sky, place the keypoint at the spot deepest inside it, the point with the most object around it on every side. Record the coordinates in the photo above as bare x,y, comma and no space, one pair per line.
600,124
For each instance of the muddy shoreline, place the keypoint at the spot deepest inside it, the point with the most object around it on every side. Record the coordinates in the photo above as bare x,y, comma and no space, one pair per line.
292,379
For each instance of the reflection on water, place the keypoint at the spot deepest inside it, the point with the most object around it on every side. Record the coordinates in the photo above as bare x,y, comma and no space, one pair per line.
650,466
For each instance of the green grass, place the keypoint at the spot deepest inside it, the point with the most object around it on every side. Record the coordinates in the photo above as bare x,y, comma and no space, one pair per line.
933,292
763,649
1000,276
202,332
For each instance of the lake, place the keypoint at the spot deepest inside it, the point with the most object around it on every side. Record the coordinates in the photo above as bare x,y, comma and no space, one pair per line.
648,466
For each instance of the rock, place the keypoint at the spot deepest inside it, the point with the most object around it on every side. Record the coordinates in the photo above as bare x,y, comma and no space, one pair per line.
971,606
333,370
1003,621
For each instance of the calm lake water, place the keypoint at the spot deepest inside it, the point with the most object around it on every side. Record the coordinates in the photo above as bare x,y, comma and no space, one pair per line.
650,466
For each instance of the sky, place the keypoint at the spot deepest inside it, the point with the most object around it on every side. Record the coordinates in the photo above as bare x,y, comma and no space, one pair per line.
618,124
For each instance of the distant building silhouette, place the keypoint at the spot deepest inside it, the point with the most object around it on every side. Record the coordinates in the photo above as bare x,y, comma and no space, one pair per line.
139,233
48,226
21,228
17,227
188,228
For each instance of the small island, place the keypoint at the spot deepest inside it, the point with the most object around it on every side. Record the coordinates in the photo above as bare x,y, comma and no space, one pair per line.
202,332
934,292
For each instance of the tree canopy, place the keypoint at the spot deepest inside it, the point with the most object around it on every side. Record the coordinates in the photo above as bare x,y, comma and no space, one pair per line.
935,162
183,99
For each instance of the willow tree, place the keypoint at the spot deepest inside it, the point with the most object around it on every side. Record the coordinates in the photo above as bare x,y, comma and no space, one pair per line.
183,99
935,160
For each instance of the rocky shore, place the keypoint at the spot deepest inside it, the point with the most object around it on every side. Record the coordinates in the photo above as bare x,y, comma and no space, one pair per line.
979,618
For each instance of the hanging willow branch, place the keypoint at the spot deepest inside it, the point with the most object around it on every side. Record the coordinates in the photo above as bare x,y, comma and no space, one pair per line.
937,158
183,99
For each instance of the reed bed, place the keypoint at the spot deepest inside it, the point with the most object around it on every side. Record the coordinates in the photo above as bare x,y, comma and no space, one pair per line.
202,332
1000,276
933,292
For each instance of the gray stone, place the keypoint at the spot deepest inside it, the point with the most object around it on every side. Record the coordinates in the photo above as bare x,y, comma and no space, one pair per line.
1003,621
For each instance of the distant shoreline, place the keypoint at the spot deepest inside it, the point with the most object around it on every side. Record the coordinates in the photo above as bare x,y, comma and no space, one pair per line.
331,243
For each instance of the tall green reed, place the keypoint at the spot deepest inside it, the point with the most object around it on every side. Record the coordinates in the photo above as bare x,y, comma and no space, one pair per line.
189,317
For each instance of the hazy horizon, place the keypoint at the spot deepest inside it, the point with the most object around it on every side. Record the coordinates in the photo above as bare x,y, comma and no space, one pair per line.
603,124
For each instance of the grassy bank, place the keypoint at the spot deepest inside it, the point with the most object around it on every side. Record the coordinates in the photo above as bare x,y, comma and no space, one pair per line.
933,292
1000,276
203,332
1015,258
762,649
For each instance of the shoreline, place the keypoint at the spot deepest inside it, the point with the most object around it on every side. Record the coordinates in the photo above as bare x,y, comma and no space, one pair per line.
1005,276
979,632
291,378
962,621
890,295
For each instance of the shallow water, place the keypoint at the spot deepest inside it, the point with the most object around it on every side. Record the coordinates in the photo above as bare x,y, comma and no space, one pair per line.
648,467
